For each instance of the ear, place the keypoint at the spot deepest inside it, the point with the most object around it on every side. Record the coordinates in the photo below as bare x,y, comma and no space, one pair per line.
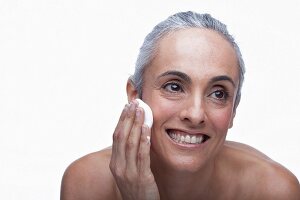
131,91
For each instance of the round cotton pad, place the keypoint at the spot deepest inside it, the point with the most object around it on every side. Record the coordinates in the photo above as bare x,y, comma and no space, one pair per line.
148,113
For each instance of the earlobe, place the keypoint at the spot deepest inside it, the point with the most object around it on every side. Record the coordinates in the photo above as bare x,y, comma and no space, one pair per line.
131,91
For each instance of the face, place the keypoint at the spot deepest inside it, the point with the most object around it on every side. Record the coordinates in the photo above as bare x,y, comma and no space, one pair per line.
191,86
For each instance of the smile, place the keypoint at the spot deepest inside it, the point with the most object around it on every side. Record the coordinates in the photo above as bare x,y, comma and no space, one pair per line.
185,138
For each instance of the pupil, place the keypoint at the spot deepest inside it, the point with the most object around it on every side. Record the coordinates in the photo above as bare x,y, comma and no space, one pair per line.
219,94
174,87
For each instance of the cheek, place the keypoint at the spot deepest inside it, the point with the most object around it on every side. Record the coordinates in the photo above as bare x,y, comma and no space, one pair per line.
162,111
221,119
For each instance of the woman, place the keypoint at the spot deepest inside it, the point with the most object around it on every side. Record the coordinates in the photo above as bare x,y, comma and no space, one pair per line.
190,72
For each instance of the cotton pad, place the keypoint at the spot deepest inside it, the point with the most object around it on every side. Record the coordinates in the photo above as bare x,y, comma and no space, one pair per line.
148,113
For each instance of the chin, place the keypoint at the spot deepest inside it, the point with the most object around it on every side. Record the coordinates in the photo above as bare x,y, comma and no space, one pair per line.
188,164
181,162
182,150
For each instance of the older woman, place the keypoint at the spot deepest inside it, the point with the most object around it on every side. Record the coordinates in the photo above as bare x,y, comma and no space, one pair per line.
190,72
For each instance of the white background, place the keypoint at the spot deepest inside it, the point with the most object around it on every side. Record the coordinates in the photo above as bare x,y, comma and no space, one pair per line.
64,66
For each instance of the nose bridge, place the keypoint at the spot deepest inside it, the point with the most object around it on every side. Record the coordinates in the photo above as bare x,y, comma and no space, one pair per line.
195,109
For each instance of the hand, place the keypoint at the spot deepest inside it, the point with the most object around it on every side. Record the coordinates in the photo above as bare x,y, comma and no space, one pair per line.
130,160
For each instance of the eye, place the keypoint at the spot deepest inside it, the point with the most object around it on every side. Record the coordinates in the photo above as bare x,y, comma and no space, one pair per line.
173,87
219,94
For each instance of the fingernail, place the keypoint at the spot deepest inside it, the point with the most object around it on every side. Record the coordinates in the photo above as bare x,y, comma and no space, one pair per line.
135,102
138,112
131,106
148,139
144,131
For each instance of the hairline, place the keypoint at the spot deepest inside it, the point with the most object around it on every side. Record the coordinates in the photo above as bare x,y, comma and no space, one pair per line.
176,22
157,41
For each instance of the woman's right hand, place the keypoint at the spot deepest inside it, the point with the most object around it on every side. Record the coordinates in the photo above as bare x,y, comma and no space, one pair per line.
130,160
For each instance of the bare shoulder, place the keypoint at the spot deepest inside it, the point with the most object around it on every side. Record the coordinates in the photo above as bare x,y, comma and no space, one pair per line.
262,178
89,178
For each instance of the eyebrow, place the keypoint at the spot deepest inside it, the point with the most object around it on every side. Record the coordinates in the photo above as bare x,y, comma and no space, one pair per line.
189,80
181,75
222,78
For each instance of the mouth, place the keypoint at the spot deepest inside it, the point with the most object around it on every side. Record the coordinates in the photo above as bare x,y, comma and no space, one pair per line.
181,137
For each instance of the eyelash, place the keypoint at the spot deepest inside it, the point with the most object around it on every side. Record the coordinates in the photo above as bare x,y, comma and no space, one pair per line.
180,87
225,94
173,83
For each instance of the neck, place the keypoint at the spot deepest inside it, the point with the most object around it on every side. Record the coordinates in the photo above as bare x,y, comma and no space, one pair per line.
178,184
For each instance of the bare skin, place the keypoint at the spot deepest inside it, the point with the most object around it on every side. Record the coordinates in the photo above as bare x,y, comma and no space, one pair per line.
191,87
90,177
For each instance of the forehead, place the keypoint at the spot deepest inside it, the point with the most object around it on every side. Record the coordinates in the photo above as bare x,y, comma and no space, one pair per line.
195,50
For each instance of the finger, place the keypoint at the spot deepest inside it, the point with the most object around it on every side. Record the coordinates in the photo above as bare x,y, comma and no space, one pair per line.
144,151
117,133
133,141
121,134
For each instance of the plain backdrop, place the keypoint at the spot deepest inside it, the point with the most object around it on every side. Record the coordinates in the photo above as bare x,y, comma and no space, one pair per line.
64,66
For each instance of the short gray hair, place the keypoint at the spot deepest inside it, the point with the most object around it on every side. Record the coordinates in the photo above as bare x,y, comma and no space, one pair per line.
178,21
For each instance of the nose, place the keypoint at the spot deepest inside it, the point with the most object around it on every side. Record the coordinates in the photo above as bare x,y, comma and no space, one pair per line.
193,111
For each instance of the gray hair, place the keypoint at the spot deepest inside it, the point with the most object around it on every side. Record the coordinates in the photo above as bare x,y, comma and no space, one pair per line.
178,21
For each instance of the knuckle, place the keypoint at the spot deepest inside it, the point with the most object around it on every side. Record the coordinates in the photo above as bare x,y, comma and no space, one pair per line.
112,166
130,145
128,176
136,126
144,139
140,156
115,169
118,171
146,178
117,136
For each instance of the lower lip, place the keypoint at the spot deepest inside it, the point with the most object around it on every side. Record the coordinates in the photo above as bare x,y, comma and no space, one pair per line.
187,146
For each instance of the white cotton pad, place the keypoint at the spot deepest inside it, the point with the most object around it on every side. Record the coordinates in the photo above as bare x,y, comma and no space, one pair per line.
148,113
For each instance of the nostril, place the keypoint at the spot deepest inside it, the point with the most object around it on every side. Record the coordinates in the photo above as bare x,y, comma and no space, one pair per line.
193,110
193,116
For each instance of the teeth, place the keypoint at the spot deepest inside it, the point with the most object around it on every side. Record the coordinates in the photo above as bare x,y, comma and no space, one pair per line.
187,139
199,139
193,140
173,136
182,138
